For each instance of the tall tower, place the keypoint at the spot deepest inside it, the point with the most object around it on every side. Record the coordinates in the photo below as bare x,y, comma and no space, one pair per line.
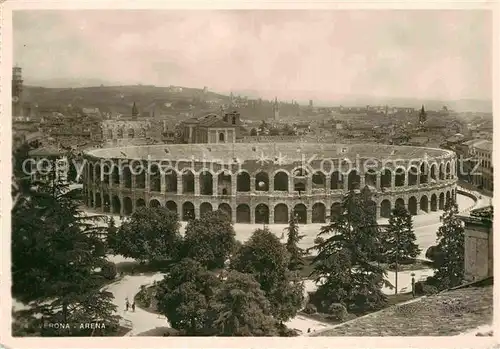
276,109
135,112
17,91
422,117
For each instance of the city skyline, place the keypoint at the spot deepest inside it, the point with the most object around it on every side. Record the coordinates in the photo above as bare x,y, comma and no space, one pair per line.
297,54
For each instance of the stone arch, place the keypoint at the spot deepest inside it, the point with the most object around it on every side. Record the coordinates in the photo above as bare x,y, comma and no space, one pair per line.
243,213
371,178
262,214
105,173
109,133
424,203
441,201
336,181
206,181
434,205
116,204
171,206
106,203
155,178
386,178
224,182
318,213
353,180
154,203
171,181
140,176
300,175
412,175
335,210
188,211
448,170
127,206
424,173
222,137
385,208
262,181
448,196
400,202
243,181
130,133
127,177
434,172
400,175
98,201
281,180
412,206
119,133
187,182
116,175
140,203
205,207
281,214
319,180
226,208
300,212
442,171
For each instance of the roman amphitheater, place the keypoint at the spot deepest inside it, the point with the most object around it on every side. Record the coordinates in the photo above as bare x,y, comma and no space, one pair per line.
265,183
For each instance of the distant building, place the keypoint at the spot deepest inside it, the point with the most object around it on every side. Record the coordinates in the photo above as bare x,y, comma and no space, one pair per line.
482,152
422,116
211,128
276,109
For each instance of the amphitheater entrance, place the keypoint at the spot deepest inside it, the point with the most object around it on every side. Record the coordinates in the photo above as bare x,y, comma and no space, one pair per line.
441,201
371,178
335,211
206,183
115,176
300,212
243,182
205,207
281,181
448,171
262,214
105,172
171,181
171,206
399,177
154,203
98,201
353,180
424,173
433,203
319,180
140,177
386,179
262,181
424,203
127,177
385,209
412,206
155,178
127,206
318,213
116,205
188,211
140,203
433,172
243,213
399,203
187,182
227,210
130,133
224,183
448,197
299,180
281,214
412,176
441,172
106,204
336,182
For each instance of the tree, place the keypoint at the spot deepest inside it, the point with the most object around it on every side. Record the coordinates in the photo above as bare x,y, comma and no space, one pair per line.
56,253
267,260
240,308
400,237
150,234
450,237
274,131
253,132
209,240
296,253
184,295
345,263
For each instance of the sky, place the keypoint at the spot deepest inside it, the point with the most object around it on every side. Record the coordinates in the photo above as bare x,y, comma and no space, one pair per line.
301,54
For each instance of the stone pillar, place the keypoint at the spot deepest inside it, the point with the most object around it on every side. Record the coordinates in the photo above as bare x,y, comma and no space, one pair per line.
271,214
393,180
309,215
233,212
271,183
197,185
215,185
225,136
163,182
252,184
328,182
290,184
252,214
122,207
179,184
121,178
362,181
234,182
309,185
196,210
147,185
134,181
345,182
379,180
378,211
406,178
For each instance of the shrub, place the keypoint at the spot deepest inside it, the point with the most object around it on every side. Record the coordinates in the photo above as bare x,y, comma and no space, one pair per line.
423,288
337,311
433,253
310,309
108,270
429,289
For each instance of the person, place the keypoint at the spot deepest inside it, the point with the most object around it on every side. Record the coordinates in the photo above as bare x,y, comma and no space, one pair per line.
127,304
133,307
413,286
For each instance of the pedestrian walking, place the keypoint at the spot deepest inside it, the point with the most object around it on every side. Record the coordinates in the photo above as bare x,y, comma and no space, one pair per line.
127,304
133,307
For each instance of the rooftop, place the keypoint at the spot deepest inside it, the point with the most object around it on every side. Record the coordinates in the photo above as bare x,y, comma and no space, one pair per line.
444,314
290,152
